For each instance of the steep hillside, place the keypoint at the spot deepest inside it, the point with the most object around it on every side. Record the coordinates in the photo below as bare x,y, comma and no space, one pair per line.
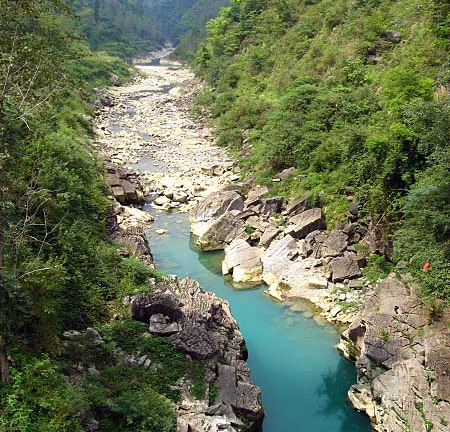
129,27
61,274
355,95
122,28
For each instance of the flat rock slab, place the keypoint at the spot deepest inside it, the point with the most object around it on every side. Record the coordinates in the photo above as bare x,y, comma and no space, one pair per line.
304,223
277,258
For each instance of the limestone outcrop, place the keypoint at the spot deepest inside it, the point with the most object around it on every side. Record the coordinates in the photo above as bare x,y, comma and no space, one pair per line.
300,259
200,324
402,355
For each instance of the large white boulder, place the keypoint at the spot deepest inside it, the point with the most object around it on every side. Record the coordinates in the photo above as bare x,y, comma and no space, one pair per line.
211,208
243,262
277,258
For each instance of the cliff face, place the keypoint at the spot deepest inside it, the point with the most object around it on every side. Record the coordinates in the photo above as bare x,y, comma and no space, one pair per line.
402,352
200,324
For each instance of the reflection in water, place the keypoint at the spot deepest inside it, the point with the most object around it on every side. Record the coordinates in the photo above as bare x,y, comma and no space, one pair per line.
334,383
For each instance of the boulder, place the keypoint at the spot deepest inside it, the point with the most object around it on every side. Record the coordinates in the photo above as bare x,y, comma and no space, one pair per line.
286,173
162,325
272,205
222,232
304,223
393,36
135,240
269,234
162,200
161,301
124,184
119,194
335,244
255,194
298,205
180,196
211,208
312,246
243,262
343,268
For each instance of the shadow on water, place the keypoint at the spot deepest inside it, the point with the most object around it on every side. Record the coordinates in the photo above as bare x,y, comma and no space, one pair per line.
331,390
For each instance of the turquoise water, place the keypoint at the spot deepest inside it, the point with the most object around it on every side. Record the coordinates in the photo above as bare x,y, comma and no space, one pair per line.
304,380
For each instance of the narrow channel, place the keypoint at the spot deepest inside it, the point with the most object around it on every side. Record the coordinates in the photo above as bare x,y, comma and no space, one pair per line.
304,380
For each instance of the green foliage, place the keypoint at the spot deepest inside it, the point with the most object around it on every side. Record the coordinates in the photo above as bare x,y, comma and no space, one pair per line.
354,94
120,28
378,267
40,398
384,334
59,270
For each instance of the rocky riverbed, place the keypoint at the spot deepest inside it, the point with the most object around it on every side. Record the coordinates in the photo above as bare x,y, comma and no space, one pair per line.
147,127
154,152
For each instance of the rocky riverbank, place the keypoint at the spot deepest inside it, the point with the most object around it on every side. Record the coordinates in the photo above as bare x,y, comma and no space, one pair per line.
147,128
401,346
286,246
402,353
149,123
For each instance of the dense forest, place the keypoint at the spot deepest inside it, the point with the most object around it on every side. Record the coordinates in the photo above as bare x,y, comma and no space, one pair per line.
355,95
121,28
59,271
131,27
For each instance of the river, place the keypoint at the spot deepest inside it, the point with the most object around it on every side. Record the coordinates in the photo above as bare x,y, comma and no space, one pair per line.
304,380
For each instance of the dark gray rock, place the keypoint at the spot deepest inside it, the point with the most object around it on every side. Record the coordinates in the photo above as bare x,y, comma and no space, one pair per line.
272,205
312,246
125,185
343,268
298,205
197,342
162,300
162,325
304,223
393,36
335,244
